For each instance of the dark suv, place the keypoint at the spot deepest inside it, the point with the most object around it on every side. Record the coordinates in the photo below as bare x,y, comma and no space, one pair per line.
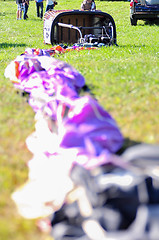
143,10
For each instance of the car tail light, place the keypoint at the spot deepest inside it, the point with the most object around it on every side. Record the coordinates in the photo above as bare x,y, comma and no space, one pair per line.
132,3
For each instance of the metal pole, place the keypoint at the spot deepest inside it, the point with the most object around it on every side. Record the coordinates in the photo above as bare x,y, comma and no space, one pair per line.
70,26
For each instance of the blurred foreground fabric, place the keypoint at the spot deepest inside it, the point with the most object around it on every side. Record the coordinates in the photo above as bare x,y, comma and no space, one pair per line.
78,186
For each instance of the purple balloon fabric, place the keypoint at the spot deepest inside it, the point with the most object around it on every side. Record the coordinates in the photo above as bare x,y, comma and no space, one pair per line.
87,120
69,129
50,83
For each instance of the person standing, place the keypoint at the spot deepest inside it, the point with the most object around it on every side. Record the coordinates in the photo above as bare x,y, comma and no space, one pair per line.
50,4
39,8
88,5
93,7
26,6
19,9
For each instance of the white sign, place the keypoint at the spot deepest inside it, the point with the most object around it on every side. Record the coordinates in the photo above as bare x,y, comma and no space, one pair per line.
47,31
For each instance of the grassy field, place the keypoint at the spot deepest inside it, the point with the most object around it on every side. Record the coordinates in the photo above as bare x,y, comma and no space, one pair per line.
124,79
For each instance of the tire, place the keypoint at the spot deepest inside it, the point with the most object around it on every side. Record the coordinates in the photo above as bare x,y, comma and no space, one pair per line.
133,21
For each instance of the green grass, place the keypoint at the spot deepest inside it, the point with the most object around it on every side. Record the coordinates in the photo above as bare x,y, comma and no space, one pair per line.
124,79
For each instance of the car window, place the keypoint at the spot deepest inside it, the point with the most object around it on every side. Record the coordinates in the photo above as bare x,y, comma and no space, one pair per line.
152,2
142,2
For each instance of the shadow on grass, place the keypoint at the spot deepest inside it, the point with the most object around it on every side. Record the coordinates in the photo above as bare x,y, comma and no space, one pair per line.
132,46
7,13
37,19
152,22
8,45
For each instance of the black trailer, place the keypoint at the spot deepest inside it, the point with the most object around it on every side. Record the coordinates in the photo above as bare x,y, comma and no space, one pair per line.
77,26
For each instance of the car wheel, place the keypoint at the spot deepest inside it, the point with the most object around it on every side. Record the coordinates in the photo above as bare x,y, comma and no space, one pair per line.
133,21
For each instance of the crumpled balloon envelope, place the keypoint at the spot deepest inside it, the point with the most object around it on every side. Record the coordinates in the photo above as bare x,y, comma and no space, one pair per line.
46,189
